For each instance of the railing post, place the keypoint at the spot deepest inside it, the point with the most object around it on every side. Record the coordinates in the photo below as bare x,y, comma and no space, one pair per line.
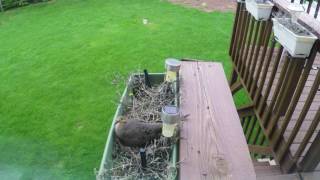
312,158
289,86
234,76
237,30
235,24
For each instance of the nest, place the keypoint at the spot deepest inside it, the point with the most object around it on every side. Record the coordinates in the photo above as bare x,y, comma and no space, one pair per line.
145,104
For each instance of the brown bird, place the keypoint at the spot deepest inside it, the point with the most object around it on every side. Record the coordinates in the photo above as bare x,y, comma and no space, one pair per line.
135,133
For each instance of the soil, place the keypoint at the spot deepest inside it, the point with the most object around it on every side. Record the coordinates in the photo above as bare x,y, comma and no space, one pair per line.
294,27
209,5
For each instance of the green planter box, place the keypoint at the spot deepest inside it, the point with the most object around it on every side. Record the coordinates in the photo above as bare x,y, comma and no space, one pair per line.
106,162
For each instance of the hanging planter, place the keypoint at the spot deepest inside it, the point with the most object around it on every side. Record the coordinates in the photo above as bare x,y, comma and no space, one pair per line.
259,9
296,39
156,156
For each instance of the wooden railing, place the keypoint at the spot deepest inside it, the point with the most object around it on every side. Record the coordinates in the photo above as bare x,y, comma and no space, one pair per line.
311,5
283,89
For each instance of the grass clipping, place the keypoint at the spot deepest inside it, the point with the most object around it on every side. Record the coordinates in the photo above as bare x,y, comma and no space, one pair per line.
145,104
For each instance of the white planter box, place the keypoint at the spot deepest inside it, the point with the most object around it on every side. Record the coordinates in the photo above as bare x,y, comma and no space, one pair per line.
296,45
260,11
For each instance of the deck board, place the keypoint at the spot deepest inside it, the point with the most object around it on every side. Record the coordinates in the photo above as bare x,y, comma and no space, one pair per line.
212,129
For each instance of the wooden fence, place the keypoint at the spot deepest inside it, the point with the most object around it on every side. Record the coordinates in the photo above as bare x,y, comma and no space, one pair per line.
284,114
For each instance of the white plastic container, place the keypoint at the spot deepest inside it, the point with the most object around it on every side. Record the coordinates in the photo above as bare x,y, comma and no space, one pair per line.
170,118
173,67
296,45
260,11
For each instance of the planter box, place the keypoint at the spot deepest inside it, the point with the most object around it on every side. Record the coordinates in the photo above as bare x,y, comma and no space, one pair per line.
106,162
297,45
260,11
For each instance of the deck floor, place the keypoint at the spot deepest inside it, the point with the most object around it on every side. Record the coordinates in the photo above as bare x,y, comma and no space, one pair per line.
311,113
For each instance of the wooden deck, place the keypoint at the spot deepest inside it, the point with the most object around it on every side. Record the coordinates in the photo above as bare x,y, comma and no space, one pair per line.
212,144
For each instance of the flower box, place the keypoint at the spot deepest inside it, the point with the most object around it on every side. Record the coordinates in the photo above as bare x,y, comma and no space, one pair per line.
107,159
260,11
297,44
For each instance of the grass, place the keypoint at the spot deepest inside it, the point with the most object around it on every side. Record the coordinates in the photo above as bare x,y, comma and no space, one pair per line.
57,61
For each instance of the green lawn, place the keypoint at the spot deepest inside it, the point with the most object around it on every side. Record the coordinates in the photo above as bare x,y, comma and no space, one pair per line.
56,63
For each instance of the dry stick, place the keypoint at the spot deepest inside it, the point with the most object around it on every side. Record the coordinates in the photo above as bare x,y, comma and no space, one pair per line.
302,116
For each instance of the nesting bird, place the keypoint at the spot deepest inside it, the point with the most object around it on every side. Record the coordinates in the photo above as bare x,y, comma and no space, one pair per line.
135,133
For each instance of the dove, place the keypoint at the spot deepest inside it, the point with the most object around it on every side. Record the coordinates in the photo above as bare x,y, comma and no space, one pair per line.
135,133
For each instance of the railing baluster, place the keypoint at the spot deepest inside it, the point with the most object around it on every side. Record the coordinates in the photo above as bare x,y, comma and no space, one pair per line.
305,141
245,60
252,129
317,10
249,44
255,140
265,117
312,158
256,53
295,69
242,121
238,30
302,116
246,76
235,27
267,34
242,42
247,124
309,6
301,84
258,95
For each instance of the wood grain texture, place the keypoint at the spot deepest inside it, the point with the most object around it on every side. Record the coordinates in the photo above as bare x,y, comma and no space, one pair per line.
212,138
